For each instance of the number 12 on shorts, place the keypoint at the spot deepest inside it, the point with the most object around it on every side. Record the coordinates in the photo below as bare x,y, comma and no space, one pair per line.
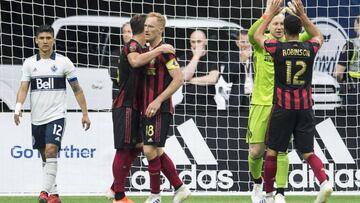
57,130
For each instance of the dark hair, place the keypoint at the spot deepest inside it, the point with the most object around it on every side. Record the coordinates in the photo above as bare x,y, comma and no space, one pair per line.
292,25
44,28
137,23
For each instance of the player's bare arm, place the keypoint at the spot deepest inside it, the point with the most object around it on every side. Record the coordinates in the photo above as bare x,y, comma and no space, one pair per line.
137,60
209,79
274,9
20,99
80,98
177,81
309,26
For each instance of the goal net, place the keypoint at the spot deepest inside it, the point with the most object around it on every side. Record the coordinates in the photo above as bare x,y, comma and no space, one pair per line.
207,138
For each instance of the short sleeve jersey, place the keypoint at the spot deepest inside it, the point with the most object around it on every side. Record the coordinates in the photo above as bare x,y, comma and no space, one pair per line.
130,79
206,64
158,78
346,54
293,62
47,79
262,93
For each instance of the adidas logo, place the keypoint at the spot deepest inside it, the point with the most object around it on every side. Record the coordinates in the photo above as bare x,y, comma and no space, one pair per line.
206,179
194,141
333,144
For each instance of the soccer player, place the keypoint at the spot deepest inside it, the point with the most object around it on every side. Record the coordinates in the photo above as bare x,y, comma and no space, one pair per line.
46,74
126,34
162,78
292,101
126,106
260,108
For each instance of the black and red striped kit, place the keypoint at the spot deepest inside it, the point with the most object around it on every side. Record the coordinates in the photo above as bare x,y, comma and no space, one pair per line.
157,79
126,106
292,102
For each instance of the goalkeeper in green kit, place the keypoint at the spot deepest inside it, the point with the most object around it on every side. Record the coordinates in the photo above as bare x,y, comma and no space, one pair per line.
260,109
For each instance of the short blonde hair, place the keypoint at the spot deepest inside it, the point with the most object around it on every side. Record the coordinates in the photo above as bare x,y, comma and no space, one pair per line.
161,19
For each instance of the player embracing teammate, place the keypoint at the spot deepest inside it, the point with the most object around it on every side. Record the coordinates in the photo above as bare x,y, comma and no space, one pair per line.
292,99
142,113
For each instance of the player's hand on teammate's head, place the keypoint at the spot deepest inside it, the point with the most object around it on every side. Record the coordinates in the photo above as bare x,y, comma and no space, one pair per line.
85,122
167,48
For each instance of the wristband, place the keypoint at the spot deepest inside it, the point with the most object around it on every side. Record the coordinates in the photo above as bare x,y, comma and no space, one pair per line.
18,108
264,16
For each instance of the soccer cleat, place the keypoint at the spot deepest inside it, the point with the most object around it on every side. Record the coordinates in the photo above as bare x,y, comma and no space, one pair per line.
54,198
110,194
324,193
153,198
181,194
269,198
123,200
256,194
279,198
43,197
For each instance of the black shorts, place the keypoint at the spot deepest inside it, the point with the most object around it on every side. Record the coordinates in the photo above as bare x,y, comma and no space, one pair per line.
283,123
155,129
49,133
126,126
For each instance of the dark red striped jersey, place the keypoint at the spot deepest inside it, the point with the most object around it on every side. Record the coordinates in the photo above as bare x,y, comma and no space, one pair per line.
293,66
130,79
157,79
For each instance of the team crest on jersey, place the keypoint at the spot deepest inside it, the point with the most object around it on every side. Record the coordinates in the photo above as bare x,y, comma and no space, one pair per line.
54,68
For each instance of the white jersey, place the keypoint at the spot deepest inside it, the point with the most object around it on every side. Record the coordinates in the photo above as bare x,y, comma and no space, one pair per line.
47,79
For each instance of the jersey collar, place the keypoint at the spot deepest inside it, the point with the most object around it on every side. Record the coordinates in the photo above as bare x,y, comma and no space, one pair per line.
52,56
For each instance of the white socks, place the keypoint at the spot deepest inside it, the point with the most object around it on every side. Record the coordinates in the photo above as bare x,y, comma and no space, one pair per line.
49,175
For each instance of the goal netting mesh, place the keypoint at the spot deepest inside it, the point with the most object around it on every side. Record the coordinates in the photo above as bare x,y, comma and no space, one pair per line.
207,141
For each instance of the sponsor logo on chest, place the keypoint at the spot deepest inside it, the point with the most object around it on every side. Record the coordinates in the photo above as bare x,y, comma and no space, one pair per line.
44,83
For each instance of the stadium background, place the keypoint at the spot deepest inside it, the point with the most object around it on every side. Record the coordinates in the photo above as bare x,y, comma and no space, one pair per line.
223,131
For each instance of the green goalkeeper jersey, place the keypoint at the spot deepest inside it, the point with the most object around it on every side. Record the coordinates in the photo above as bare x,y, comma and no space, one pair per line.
263,90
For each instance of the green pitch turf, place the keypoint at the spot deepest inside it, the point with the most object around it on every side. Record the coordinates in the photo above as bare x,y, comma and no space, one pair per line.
193,199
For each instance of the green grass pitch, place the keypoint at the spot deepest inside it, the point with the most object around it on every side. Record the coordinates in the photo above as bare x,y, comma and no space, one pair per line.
193,199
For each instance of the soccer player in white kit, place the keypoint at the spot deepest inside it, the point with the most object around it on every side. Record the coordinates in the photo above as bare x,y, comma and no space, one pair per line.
46,74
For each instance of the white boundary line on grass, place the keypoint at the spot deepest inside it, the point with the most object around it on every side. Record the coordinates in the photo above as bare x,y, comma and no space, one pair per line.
313,193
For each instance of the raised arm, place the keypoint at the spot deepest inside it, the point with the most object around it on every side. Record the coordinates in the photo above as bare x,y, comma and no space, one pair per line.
274,9
189,69
137,60
308,25
252,30
257,24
